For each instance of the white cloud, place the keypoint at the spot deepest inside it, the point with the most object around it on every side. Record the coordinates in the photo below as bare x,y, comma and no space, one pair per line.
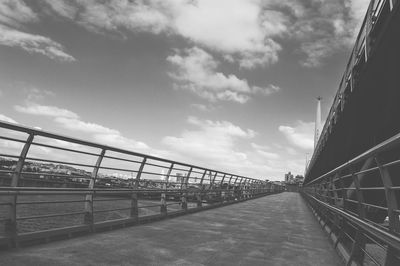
328,27
75,124
267,90
72,121
14,15
117,140
202,107
316,51
246,32
265,151
231,27
196,71
223,145
35,94
44,110
33,44
214,144
115,15
210,143
212,140
7,119
301,135
15,12
268,155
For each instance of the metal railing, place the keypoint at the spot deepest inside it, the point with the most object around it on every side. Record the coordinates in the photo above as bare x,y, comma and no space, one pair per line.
378,15
53,185
358,203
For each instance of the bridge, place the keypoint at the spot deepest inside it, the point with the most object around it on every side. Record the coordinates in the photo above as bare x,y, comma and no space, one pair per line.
55,187
281,230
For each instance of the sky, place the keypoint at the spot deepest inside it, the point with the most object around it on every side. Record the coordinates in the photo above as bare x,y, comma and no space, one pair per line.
226,84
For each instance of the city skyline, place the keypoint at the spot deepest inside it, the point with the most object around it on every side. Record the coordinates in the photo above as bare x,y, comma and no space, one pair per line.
232,90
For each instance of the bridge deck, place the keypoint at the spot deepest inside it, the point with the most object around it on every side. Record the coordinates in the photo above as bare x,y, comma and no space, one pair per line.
273,230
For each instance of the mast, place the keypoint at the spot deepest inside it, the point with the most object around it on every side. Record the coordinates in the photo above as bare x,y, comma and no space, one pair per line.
317,131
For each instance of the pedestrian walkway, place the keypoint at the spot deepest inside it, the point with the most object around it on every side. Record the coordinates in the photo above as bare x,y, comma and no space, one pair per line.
273,230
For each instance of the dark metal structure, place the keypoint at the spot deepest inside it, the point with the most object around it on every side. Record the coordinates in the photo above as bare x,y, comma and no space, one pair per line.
352,182
54,186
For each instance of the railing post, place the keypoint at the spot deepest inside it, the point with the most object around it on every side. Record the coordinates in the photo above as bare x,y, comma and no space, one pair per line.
200,193
211,189
220,189
394,224
342,223
10,225
333,188
391,201
344,193
135,186
184,190
247,188
359,195
239,193
359,240
89,215
227,193
233,196
164,210
250,185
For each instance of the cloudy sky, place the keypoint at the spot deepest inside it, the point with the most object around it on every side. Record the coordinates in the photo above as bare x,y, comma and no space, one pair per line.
225,84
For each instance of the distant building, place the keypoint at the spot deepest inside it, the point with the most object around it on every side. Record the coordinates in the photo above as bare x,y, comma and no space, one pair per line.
289,177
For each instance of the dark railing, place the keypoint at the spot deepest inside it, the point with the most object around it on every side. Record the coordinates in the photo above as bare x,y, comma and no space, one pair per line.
53,186
378,15
358,204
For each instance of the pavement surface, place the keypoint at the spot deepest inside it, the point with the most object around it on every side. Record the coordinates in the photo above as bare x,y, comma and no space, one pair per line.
273,230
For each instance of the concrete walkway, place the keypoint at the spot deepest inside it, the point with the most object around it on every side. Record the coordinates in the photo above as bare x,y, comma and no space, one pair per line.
273,230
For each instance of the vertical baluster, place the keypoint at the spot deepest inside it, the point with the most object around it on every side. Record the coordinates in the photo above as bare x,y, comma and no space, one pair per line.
240,189
200,193
184,191
164,209
135,187
10,226
252,188
233,196
356,253
228,189
391,201
220,199
245,188
212,190
342,222
89,216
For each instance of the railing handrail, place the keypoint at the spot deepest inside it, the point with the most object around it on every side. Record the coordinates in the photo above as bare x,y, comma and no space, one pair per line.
37,132
383,235
383,146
